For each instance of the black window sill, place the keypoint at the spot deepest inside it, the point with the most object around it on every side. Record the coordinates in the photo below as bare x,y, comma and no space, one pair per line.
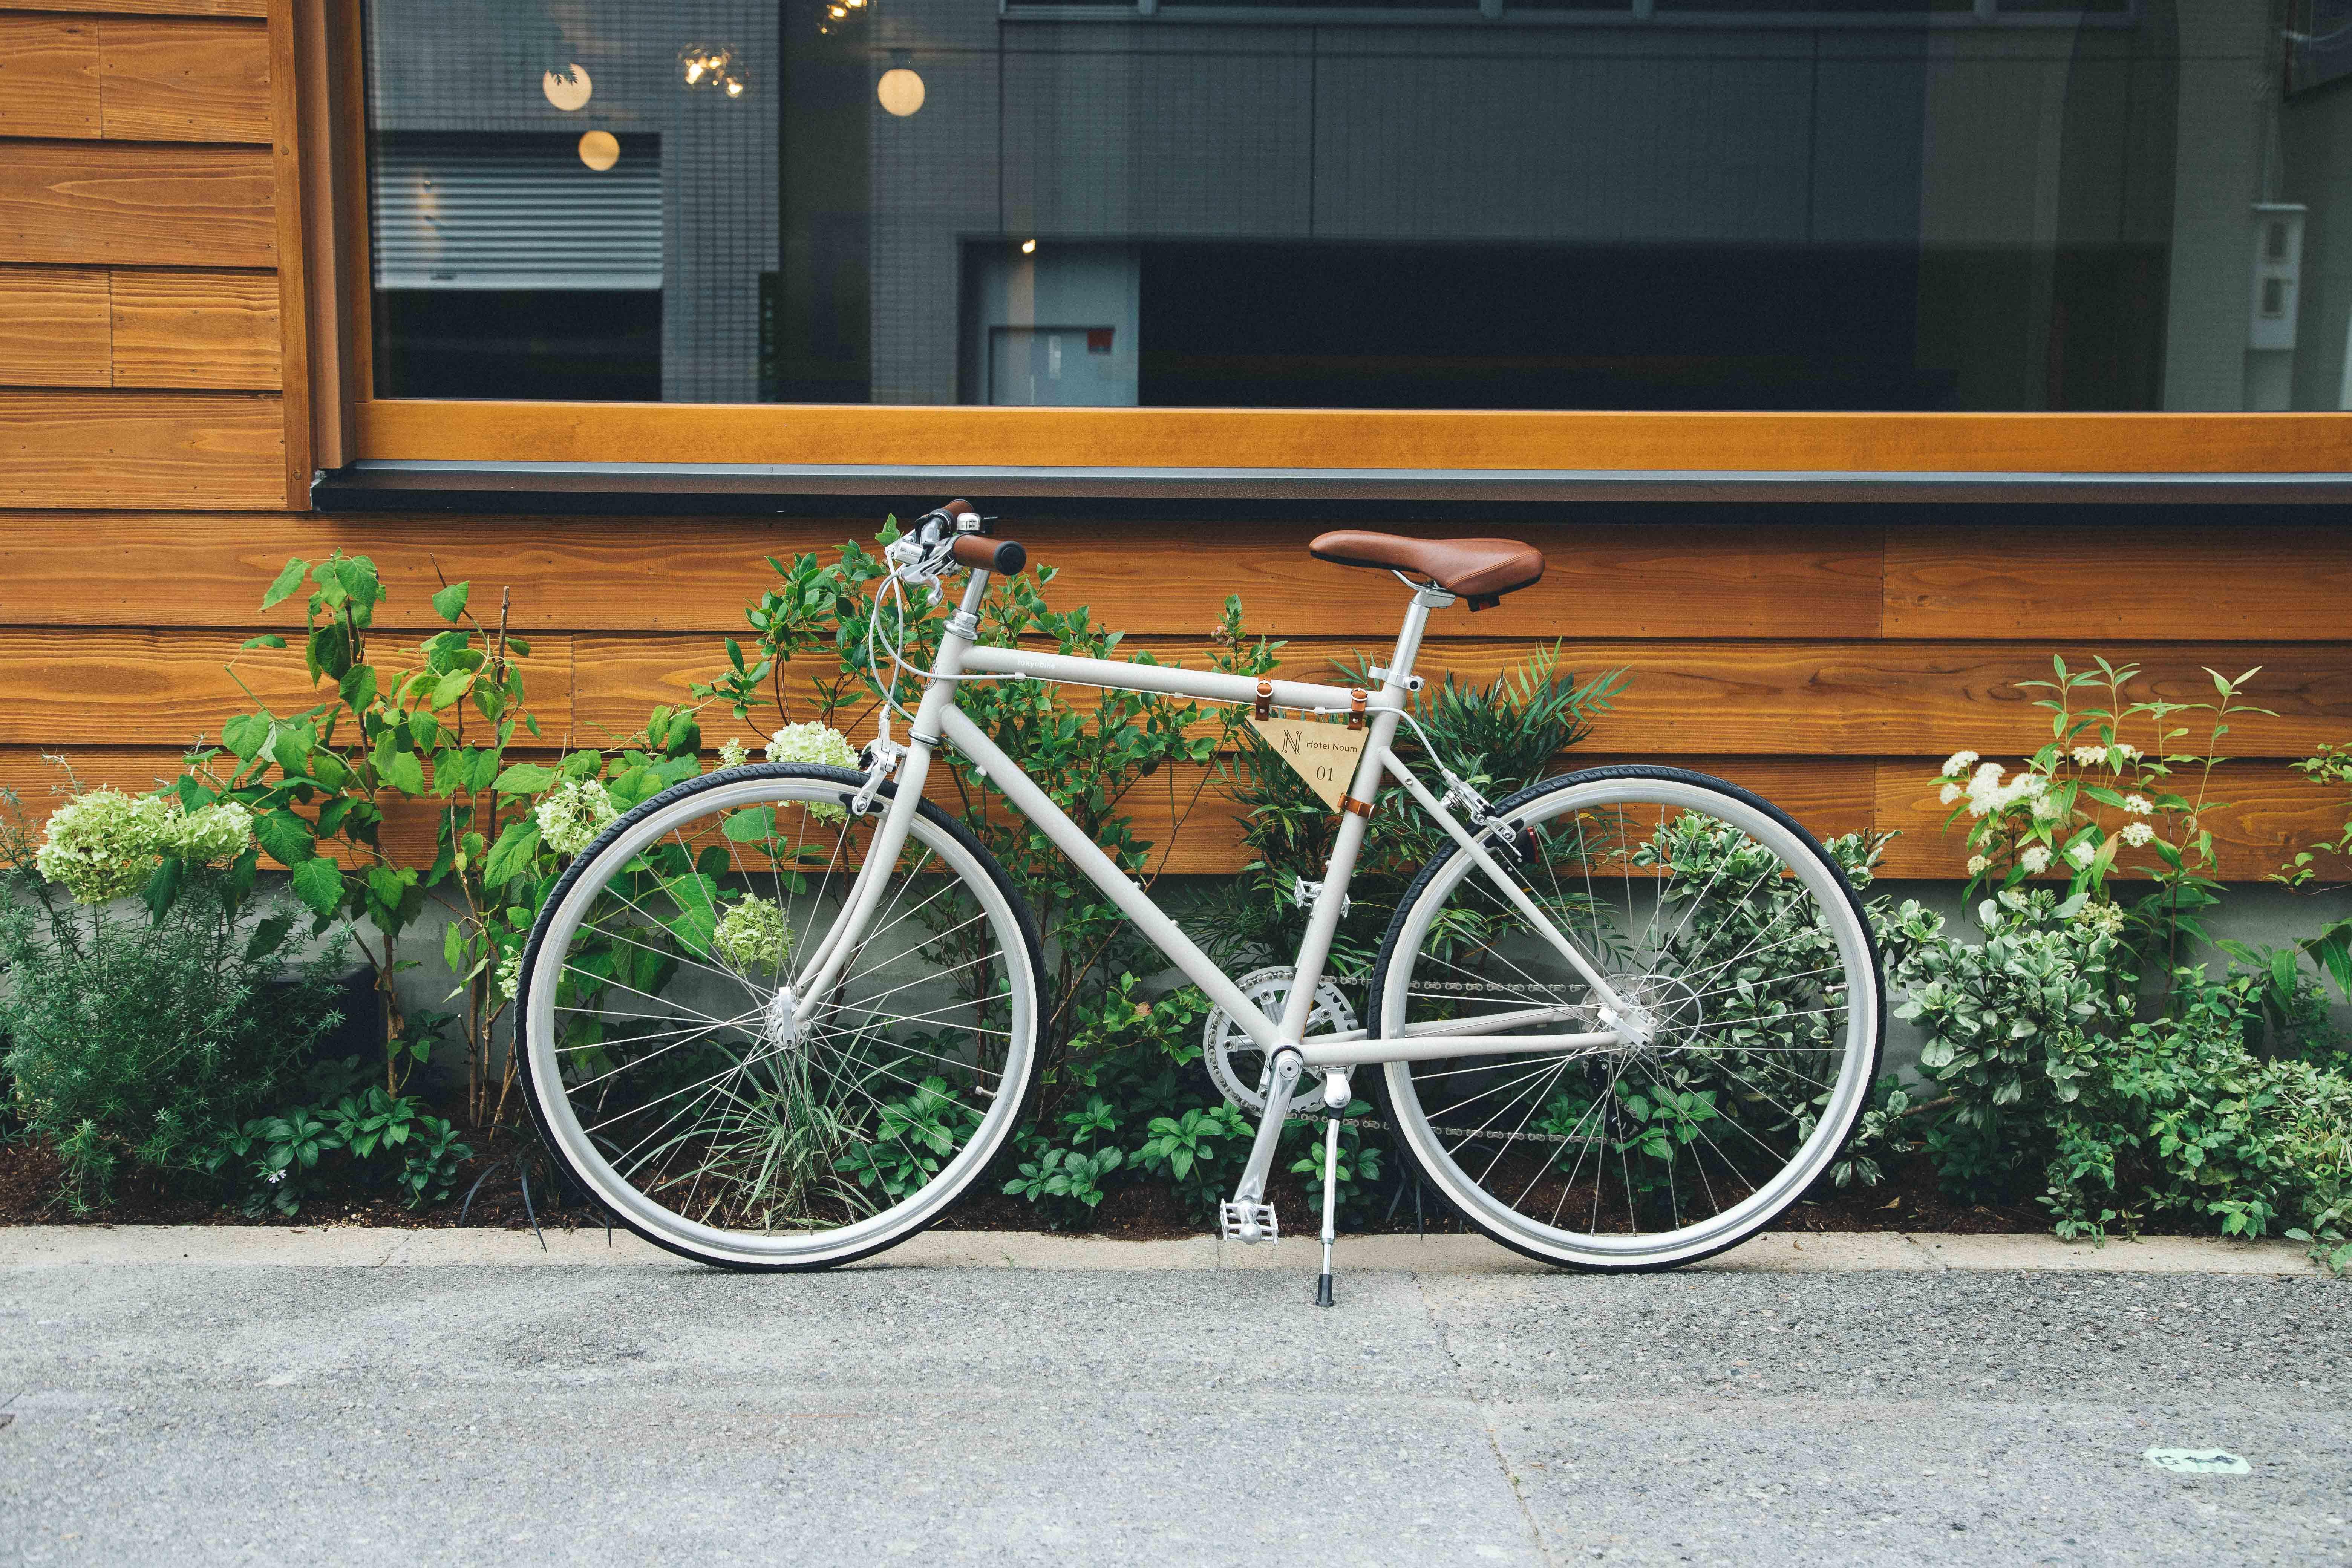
1348,494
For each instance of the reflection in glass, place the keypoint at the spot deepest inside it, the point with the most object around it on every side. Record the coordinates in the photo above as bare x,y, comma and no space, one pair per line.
1555,204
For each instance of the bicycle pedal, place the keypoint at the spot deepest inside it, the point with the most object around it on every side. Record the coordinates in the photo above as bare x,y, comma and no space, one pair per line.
1248,1223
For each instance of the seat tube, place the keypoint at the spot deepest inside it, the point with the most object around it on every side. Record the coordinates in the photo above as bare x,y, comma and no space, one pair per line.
1315,949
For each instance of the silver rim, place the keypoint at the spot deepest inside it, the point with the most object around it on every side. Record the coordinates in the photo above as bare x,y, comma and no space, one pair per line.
1753,971
743,1129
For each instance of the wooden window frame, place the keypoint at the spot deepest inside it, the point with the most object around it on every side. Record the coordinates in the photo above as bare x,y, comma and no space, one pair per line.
1565,454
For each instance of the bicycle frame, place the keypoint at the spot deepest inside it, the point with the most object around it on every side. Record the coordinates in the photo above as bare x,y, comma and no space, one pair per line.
938,721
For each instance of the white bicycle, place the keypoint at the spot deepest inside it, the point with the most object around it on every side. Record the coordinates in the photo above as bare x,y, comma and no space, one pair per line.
785,1016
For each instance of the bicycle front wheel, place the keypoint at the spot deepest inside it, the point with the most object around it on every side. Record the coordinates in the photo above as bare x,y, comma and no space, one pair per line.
674,1067
1741,954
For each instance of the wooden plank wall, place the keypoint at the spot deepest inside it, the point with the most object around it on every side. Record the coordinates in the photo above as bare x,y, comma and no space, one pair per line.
142,309
1831,666
153,453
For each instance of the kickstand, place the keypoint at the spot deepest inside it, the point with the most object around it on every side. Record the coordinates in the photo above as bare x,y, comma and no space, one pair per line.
1330,1203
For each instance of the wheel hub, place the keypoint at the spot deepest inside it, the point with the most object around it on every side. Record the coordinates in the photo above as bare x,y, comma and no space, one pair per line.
1658,1014
780,1020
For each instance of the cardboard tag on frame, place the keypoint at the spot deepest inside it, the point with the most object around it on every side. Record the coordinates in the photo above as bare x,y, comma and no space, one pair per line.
1325,755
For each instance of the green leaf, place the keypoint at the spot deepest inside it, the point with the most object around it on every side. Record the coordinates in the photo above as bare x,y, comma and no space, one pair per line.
525,778
267,936
319,883
359,688
405,771
290,577
245,734
754,825
450,688
512,855
290,748
450,603
286,836
267,639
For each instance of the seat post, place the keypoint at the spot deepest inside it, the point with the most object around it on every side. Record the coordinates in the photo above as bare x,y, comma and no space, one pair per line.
1408,635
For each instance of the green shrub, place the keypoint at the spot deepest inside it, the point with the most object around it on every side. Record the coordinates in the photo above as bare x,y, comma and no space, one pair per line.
2177,1115
146,1040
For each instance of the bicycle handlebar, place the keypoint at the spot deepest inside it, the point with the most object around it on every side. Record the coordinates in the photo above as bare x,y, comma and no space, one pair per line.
1001,556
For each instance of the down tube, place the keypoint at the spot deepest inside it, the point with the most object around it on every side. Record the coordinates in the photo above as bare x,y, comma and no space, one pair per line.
1038,807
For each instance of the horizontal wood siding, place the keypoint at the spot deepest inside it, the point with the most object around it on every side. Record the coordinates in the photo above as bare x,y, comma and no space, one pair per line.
56,327
1793,694
137,204
139,448
196,330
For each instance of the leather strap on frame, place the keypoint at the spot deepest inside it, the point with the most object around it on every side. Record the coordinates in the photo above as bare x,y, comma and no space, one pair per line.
1363,808
1357,697
1265,709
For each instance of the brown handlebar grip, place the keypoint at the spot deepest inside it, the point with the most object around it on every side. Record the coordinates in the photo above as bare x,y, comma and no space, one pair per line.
952,510
1001,556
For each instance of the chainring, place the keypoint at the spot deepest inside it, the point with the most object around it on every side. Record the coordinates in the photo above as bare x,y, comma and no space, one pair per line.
1238,1066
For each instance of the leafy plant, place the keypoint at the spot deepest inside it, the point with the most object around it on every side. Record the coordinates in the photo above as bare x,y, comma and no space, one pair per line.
2091,802
367,1139
1499,738
137,1037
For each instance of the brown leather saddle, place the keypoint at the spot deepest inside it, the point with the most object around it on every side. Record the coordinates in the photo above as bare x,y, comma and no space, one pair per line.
1477,571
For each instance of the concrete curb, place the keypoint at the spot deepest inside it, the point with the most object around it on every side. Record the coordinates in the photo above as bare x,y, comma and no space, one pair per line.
1836,1252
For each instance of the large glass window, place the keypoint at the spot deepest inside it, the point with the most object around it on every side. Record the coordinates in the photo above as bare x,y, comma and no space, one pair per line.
1899,205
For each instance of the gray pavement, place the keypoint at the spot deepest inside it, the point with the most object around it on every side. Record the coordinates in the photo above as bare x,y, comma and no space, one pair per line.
468,1412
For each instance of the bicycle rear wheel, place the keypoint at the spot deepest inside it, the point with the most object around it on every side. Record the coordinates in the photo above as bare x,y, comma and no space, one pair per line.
675,1069
1745,954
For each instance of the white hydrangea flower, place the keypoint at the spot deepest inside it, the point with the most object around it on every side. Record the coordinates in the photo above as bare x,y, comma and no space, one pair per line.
2090,756
1979,865
818,744
2080,854
1958,763
572,816
2137,834
2046,807
221,831
2137,805
104,844
754,935
732,754
1948,794
509,976
2035,859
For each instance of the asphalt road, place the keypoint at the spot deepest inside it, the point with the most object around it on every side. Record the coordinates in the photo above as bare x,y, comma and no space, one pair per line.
470,1415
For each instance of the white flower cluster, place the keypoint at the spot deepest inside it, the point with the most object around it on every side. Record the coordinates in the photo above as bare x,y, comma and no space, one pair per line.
732,754
2095,756
2081,854
2107,920
2137,834
104,844
754,935
2137,805
1987,794
573,815
1958,763
221,831
2034,857
509,976
818,744
1978,864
